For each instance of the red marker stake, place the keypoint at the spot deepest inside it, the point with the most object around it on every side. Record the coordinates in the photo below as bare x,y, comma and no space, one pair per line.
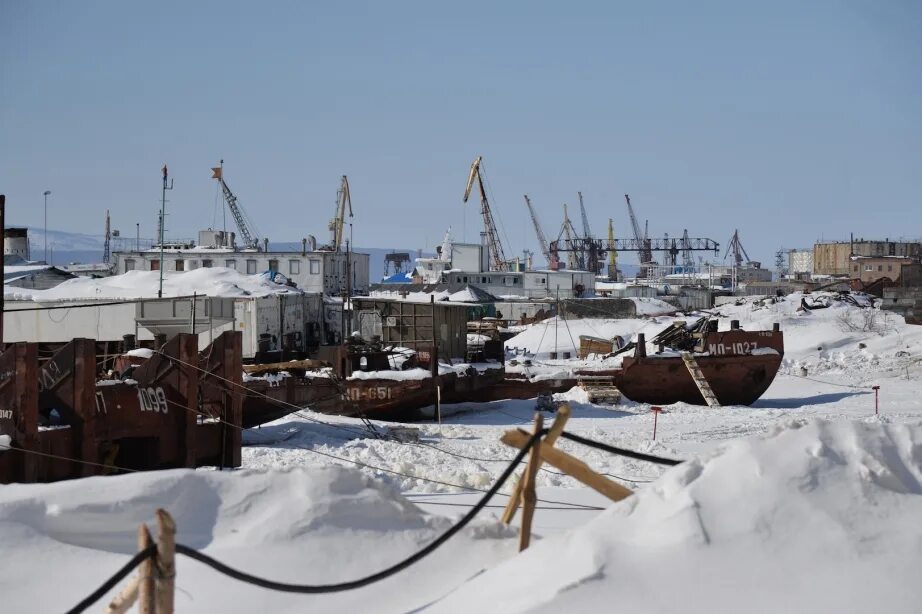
656,410
876,406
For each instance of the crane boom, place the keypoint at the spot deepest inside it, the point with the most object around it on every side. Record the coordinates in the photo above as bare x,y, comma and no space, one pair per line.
634,225
582,209
542,240
495,247
244,224
343,201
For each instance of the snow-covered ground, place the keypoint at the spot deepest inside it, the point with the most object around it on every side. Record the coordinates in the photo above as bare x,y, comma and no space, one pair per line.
806,501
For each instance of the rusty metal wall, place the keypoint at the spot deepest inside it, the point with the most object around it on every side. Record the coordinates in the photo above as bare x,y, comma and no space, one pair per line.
411,325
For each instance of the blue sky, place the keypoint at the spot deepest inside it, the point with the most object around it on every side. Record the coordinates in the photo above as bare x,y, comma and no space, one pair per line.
790,121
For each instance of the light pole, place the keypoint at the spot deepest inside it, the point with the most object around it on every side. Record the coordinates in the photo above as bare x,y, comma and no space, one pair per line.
47,193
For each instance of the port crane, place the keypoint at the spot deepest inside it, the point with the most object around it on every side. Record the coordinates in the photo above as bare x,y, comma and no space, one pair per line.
736,248
642,245
343,201
495,247
552,263
645,254
245,225
571,237
590,258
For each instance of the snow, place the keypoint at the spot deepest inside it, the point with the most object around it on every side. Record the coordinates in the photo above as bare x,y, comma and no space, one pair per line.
806,501
816,518
652,306
397,376
216,281
140,353
5,441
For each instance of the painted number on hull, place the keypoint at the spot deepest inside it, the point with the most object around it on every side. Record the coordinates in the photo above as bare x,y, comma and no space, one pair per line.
740,347
152,399
380,393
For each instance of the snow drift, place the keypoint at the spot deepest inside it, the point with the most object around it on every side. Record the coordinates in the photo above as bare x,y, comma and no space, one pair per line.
821,517
316,526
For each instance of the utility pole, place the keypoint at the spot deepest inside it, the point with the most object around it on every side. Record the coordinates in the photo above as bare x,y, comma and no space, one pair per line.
47,193
162,224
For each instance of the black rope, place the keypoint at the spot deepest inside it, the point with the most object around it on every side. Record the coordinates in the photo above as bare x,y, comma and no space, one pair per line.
117,577
620,451
381,575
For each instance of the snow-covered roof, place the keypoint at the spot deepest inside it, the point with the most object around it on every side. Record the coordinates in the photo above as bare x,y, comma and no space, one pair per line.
216,282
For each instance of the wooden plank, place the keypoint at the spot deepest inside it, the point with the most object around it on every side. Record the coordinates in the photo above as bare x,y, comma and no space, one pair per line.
700,381
571,466
166,562
146,602
529,497
563,414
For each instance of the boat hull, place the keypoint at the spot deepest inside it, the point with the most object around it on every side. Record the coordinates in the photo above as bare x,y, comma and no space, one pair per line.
735,380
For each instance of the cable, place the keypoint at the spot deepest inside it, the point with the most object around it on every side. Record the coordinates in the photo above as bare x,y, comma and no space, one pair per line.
819,381
620,451
381,575
117,577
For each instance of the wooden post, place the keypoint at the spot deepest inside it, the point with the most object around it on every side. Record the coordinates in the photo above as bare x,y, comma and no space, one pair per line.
166,562
146,603
570,465
529,497
563,414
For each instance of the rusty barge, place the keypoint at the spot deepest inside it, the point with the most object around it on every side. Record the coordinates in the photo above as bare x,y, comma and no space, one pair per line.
63,422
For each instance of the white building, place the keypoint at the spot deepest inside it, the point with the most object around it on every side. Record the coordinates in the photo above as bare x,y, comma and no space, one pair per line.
461,264
312,270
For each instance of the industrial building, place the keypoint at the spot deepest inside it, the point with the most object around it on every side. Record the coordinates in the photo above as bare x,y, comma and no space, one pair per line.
458,265
312,270
834,258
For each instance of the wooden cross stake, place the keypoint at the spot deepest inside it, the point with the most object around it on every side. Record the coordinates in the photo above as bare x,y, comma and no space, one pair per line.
563,414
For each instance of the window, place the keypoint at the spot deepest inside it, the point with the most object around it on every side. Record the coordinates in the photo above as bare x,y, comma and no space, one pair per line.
868,267
154,265
206,264
274,265
294,267
231,264
315,267
180,265
465,280
129,264
251,267
880,267
483,280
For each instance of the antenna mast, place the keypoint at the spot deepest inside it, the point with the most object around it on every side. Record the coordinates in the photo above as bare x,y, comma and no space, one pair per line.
162,224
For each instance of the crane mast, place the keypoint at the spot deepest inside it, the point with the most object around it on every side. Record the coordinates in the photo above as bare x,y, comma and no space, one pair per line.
646,254
552,262
244,225
613,253
343,201
568,232
736,248
495,247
